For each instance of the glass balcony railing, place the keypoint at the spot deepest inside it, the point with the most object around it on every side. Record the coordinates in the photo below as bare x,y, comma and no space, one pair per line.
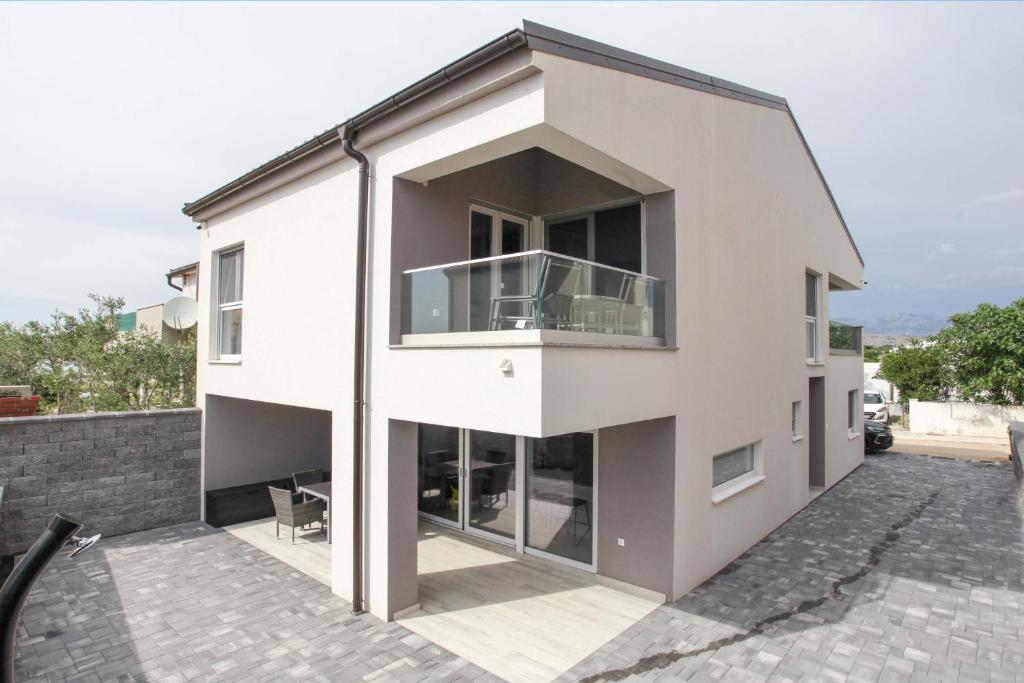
844,338
533,290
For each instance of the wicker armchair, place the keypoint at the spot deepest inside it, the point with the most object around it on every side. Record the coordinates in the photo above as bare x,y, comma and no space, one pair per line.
293,514
307,477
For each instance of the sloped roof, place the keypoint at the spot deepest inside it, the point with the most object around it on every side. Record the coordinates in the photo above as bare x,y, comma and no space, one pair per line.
532,36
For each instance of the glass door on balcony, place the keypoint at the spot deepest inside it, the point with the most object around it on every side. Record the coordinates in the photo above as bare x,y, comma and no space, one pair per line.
493,233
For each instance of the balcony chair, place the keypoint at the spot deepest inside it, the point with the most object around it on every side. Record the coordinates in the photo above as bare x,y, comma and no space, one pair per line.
550,306
291,513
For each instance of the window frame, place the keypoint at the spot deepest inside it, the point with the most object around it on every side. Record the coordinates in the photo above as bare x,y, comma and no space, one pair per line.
796,420
813,355
230,305
755,475
852,412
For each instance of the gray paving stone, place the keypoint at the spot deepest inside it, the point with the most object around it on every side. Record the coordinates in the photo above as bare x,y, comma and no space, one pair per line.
189,602
936,548
940,547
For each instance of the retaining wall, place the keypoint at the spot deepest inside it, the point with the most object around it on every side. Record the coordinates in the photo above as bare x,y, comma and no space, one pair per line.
115,472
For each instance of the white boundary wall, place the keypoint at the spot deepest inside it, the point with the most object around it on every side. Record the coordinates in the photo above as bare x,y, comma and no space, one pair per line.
962,418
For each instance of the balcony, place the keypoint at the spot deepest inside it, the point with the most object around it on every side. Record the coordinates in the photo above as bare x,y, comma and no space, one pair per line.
533,296
844,339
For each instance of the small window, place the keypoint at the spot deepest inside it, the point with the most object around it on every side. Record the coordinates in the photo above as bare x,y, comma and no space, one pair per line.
811,314
795,422
851,411
732,465
230,266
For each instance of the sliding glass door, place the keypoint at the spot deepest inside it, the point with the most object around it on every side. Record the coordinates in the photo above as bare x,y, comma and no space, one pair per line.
439,469
537,495
492,501
560,497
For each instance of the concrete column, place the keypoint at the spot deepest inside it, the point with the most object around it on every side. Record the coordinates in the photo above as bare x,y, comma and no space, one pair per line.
390,540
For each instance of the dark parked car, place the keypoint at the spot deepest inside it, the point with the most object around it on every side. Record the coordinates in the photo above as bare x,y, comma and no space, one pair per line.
877,436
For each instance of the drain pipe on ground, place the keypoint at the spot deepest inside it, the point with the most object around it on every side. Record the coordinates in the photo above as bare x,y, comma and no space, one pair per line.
347,133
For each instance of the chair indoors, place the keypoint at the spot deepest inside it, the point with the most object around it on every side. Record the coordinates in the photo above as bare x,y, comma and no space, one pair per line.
293,513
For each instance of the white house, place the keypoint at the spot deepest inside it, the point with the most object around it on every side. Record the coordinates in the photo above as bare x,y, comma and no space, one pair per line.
595,321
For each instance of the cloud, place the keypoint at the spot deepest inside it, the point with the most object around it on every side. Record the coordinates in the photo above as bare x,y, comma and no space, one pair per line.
997,198
1001,274
944,249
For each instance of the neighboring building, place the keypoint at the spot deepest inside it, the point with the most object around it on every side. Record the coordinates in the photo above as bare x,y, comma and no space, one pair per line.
151,317
597,318
187,278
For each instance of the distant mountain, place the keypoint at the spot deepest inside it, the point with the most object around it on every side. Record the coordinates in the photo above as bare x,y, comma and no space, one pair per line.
903,324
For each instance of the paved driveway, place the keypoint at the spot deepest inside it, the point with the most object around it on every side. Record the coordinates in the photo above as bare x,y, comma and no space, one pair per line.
190,602
911,568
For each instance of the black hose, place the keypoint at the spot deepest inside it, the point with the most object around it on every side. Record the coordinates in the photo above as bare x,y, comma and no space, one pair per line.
19,583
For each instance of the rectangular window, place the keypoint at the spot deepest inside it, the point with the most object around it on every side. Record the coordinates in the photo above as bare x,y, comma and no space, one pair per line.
795,422
732,465
230,265
612,237
851,411
811,314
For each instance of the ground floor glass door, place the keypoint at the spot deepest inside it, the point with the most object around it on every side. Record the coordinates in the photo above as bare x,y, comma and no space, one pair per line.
492,497
537,495
439,469
560,496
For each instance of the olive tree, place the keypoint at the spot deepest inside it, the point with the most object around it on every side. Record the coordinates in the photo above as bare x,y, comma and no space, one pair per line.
81,362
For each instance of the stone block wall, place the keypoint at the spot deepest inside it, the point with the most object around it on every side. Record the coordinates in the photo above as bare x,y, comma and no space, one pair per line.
114,472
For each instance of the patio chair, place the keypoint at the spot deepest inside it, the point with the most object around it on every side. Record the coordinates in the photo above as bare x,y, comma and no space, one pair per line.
295,514
307,477
548,307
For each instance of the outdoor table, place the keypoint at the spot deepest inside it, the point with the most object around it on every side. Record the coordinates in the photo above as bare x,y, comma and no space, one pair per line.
323,492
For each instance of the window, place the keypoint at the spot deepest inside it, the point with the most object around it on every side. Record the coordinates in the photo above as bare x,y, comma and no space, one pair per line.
612,237
811,314
732,465
230,265
851,411
795,422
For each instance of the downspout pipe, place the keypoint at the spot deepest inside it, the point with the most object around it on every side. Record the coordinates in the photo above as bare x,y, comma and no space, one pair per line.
347,134
171,284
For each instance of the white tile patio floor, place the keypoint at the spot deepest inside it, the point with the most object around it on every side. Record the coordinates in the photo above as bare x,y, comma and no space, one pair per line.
519,617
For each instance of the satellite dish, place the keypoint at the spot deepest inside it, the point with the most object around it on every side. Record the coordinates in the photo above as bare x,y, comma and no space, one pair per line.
180,313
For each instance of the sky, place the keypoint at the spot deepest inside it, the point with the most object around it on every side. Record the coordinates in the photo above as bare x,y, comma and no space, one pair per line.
112,116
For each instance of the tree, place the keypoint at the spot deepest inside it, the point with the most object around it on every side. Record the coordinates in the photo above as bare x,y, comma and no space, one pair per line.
81,362
919,370
873,354
984,350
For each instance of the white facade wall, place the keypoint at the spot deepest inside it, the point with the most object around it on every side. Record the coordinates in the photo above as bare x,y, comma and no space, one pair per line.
751,216
961,418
